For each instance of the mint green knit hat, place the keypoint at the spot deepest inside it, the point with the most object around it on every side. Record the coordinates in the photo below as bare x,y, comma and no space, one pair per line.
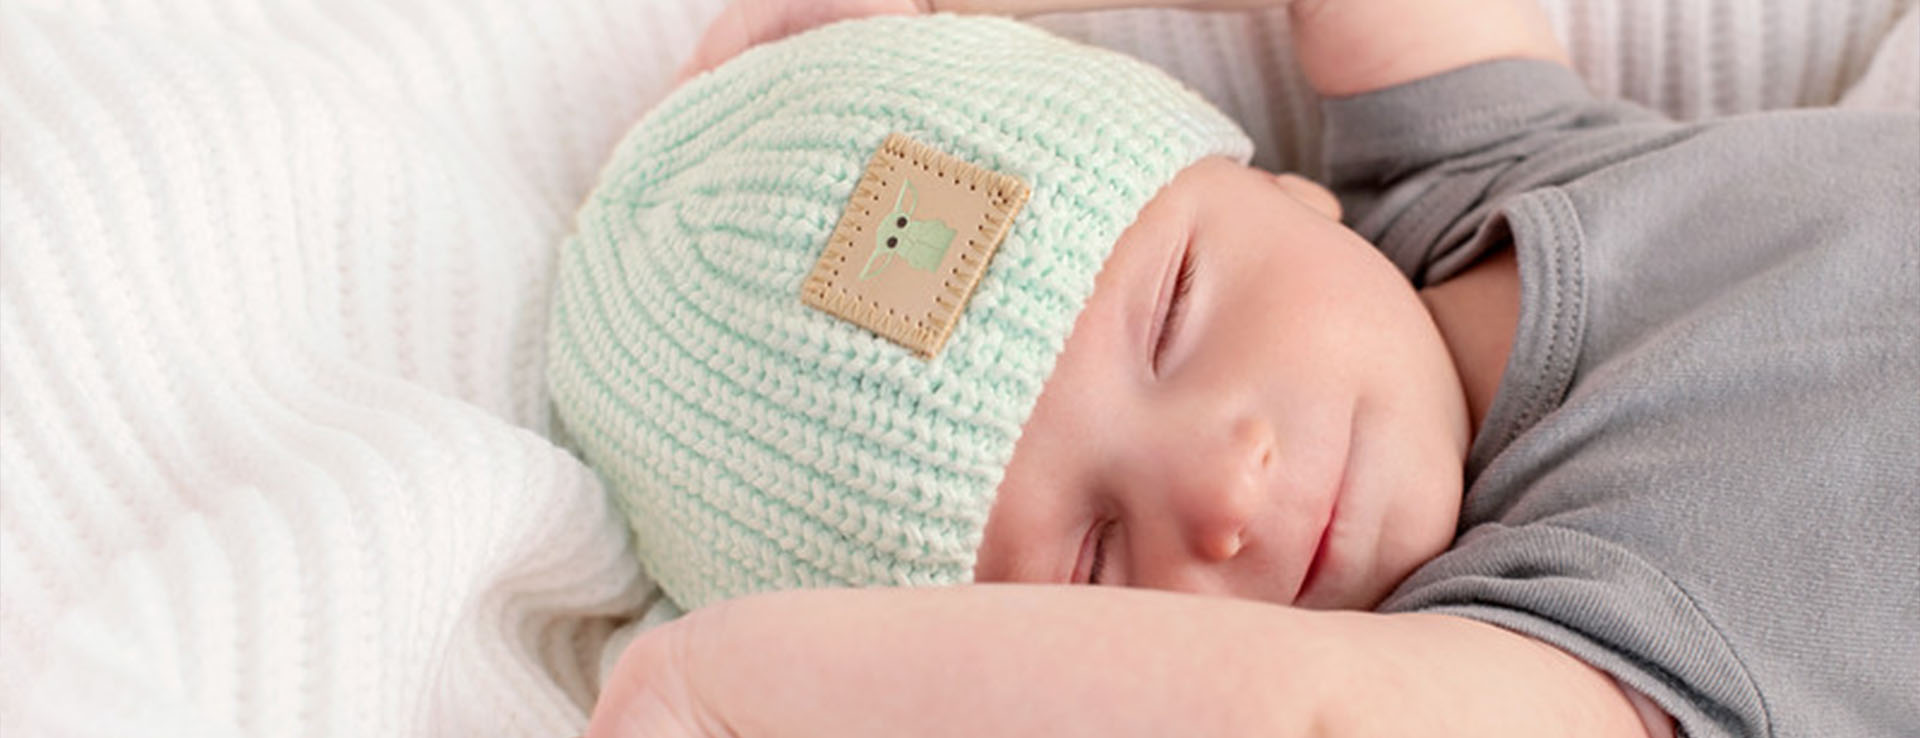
757,442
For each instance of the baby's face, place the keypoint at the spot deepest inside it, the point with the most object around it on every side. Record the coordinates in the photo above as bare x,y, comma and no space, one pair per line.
1254,403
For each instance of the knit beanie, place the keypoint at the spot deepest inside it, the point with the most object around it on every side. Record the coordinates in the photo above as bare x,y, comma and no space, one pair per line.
818,289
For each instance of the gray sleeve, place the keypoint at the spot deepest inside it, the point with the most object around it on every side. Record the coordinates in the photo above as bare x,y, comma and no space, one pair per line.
1602,603
1419,167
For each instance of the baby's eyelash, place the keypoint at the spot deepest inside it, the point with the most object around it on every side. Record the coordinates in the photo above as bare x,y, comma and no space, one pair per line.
1182,282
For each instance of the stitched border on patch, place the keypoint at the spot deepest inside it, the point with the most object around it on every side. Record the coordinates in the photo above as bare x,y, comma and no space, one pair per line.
915,205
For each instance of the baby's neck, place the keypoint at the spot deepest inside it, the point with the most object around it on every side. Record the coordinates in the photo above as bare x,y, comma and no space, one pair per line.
1477,311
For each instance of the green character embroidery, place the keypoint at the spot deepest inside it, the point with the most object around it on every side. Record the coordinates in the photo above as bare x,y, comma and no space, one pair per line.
923,243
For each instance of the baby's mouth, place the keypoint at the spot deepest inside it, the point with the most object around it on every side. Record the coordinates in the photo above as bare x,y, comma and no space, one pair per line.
1319,553
1322,548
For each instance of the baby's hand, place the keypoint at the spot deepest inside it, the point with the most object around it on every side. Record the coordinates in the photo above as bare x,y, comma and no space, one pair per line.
745,23
650,692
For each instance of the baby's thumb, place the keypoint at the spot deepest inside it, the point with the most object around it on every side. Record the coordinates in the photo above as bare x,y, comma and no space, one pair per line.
647,694
729,34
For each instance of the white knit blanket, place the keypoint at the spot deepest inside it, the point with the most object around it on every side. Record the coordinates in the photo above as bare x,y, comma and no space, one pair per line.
273,452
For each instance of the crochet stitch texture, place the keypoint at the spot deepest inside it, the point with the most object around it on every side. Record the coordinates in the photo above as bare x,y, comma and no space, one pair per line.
755,443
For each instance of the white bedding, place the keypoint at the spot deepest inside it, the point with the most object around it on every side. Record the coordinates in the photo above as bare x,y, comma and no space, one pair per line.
273,453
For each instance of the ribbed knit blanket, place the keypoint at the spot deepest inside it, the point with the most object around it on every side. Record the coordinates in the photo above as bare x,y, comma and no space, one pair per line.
273,278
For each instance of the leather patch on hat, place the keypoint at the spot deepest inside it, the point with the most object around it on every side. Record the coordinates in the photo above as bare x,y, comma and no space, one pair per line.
912,244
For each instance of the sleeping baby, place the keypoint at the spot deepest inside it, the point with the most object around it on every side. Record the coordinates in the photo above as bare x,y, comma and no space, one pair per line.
1585,422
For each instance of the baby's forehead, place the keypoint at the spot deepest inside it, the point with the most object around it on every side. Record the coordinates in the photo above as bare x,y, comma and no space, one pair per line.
1217,188
1208,191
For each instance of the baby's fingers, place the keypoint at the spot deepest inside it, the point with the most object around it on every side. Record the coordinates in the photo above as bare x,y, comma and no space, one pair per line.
647,694
741,24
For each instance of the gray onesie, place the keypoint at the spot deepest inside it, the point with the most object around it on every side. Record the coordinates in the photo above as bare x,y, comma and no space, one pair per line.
1699,473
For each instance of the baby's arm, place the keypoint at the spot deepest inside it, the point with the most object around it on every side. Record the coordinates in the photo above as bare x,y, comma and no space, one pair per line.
1034,660
1347,47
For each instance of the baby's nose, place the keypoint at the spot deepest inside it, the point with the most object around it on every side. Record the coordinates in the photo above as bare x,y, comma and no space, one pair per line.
1226,487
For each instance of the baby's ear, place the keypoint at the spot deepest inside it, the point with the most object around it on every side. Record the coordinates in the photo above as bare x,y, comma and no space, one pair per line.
1310,192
